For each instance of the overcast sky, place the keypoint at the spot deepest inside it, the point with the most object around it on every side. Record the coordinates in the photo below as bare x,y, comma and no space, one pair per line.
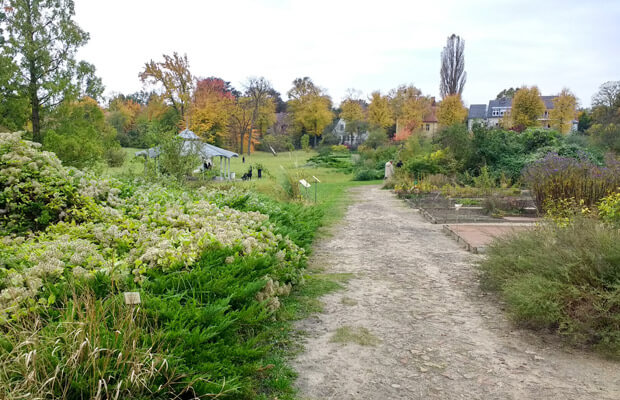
366,45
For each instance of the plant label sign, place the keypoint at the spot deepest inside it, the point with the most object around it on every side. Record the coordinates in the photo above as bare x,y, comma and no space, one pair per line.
132,298
304,183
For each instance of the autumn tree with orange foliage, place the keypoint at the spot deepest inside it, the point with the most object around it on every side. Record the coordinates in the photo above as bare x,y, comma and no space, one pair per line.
210,109
451,111
409,106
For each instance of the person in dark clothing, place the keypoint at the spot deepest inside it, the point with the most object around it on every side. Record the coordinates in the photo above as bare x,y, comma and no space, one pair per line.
243,159
399,164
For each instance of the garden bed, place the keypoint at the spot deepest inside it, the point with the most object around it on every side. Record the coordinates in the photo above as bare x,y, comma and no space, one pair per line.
439,209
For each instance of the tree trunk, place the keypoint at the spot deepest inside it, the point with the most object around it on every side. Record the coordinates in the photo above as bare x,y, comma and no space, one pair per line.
33,86
36,118
254,117
242,134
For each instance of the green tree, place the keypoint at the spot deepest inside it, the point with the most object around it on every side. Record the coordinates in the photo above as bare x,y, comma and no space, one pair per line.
457,140
527,107
79,134
507,93
42,38
14,108
305,142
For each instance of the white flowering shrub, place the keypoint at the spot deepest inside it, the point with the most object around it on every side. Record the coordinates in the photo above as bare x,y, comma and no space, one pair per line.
124,231
35,189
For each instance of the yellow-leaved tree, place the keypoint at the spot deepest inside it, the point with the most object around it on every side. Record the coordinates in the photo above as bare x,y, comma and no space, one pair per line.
379,112
409,107
353,114
311,108
451,111
563,112
315,114
175,78
527,108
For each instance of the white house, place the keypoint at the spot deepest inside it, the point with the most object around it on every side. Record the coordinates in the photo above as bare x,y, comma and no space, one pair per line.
347,138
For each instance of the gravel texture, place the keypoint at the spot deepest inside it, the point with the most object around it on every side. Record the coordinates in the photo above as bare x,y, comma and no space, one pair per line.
440,336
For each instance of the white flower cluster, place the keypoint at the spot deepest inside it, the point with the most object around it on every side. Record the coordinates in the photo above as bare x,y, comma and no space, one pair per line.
153,228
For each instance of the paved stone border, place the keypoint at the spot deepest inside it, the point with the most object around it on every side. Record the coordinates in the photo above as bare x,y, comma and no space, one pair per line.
461,240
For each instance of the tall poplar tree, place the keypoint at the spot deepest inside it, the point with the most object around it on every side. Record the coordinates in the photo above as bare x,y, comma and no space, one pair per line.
41,38
453,75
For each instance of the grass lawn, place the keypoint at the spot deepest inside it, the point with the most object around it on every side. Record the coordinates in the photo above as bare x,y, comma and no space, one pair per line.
132,166
329,192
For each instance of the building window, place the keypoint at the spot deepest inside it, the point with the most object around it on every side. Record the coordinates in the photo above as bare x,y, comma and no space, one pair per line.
501,113
428,127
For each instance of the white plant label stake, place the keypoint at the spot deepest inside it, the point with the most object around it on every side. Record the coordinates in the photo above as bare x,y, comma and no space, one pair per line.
132,298
457,207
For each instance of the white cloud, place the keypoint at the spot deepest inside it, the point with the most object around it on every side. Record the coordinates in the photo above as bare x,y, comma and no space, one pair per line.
361,44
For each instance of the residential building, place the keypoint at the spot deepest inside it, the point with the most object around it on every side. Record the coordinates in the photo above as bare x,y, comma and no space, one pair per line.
430,124
492,115
477,114
348,138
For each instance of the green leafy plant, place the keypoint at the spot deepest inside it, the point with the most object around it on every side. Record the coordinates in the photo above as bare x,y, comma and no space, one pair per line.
609,209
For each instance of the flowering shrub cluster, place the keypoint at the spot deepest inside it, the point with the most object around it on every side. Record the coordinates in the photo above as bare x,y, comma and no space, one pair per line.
35,189
555,177
121,230
152,229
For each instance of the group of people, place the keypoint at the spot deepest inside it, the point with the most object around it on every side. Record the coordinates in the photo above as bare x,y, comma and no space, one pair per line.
389,168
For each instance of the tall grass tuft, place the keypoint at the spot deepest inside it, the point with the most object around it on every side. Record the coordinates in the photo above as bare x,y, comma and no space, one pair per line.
566,279
97,350
557,178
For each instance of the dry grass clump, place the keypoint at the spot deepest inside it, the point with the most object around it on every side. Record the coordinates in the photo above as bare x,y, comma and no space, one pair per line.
100,350
565,278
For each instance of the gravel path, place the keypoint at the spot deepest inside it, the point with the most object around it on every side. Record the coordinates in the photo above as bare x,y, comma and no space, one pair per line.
440,336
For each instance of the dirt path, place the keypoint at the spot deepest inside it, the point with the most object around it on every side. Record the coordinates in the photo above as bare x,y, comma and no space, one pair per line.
440,337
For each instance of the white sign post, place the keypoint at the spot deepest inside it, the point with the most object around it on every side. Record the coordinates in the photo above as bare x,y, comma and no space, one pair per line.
305,184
